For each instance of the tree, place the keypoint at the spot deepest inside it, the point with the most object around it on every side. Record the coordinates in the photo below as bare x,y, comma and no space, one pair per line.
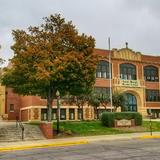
94,101
50,57
79,100
119,100
104,100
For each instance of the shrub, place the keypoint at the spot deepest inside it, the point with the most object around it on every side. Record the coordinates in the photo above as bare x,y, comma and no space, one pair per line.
138,119
108,118
124,115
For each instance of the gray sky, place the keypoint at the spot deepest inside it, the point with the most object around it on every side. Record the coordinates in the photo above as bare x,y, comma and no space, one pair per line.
134,21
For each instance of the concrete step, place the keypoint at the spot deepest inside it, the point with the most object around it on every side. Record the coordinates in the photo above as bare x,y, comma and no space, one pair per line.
9,133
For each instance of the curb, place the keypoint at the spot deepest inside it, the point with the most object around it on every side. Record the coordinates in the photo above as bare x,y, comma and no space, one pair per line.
43,145
149,137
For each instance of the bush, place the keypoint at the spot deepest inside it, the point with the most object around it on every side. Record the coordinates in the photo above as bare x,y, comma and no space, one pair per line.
108,118
138,119
124,115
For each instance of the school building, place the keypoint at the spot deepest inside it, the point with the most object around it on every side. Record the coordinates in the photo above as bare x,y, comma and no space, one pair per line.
134,73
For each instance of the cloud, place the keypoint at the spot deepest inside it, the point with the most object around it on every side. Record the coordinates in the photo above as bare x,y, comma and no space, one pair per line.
136,22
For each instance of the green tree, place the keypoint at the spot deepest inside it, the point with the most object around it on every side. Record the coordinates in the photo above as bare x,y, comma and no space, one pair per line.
104,100
119,99
94,101
50,57
79,100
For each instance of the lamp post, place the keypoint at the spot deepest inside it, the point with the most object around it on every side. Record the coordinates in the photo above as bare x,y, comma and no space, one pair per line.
58,110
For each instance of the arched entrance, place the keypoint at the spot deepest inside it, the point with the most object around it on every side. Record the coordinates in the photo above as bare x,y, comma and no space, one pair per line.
131,103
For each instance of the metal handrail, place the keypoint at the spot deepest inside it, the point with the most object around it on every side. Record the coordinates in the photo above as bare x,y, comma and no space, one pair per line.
18,122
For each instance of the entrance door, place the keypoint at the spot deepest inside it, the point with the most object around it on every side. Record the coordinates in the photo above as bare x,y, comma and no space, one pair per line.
131,103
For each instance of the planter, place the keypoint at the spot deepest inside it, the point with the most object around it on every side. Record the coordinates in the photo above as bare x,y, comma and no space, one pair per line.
47,129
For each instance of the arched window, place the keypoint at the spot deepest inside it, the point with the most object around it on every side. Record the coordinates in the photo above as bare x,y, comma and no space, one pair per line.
128,71
151,73
102,70
131,103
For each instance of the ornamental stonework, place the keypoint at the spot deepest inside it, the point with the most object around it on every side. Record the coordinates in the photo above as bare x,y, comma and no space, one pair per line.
87,115
36,113
127,54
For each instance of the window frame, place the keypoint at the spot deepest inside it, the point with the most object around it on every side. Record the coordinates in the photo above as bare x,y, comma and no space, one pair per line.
63,109
128,71
102,90
151,73
70,117
11,107
152,95
102,70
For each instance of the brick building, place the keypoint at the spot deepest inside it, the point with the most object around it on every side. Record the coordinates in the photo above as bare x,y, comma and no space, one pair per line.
133,73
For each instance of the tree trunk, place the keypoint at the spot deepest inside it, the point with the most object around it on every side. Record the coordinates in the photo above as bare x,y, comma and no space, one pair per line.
95,113
49,105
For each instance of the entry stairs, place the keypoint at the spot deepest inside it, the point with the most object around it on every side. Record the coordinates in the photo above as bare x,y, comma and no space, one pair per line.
10,133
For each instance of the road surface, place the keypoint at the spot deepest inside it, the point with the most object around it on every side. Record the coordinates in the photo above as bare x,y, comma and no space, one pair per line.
99,150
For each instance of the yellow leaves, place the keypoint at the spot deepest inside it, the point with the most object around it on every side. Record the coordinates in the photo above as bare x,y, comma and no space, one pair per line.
54,52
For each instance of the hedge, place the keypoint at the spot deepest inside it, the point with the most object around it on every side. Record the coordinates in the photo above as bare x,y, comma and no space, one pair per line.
108,118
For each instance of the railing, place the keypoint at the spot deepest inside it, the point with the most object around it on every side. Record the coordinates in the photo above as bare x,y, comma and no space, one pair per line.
19,123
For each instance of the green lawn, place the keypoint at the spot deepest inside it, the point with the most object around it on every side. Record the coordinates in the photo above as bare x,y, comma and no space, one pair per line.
155,126
87,128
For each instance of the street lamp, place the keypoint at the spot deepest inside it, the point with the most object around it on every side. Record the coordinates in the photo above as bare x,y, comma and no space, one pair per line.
58,110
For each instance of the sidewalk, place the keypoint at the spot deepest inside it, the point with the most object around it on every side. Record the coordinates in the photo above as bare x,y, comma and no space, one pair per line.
8,146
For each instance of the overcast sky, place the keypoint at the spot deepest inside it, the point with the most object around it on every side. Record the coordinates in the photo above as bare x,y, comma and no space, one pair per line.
134,21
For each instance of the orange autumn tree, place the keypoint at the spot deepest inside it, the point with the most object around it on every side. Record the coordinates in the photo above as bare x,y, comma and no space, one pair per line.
51,57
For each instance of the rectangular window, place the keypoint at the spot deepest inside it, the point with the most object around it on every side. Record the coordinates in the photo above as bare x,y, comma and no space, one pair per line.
104,74
102,70
71,114
98,75
79,114
11,107
102,90
62,114
43,114
151,73
152,95
54,114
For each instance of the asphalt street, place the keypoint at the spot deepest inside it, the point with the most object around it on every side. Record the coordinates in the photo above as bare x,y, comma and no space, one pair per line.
148,149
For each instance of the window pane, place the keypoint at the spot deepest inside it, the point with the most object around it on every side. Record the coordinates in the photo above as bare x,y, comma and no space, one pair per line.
71,114
152,95
151,73
102,70
43,114
54,114
79,114
11,107
128,71
62,114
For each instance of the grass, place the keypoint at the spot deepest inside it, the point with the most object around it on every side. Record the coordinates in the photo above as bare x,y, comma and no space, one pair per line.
155,125
89,128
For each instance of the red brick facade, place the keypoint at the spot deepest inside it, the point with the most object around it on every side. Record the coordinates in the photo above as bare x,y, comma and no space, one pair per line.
29,107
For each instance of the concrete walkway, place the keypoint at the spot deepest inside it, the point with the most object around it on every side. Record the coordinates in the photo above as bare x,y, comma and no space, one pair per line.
72,141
